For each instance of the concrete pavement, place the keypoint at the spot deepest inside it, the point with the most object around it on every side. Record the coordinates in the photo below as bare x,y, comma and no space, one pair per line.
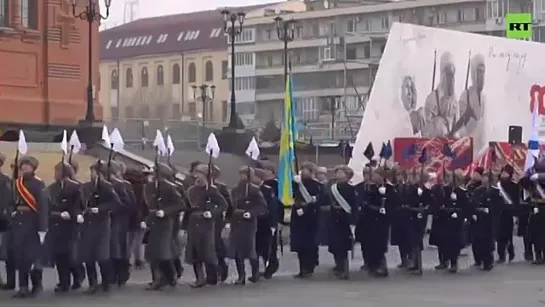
509,285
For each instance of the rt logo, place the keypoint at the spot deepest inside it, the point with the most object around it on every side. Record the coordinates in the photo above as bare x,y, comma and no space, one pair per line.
519,25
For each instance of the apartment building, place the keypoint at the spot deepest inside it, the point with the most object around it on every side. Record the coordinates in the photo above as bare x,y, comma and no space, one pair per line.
336,51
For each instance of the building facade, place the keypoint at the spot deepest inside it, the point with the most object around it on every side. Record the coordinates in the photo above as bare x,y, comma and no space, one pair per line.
44,62
336,51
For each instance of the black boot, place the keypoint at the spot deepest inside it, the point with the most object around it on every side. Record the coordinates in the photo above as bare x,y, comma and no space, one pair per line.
511,251
179,268
36,280
200,279
22,293
211,274
271,268
105,275
453,266
159,280
416,269
254,264
241,271
223,270
343,273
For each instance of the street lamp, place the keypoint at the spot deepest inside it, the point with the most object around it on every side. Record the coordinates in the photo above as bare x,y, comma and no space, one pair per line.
91,14
285,29
232,26
205,93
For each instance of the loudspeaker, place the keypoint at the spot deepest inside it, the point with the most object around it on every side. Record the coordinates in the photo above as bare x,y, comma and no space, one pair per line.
515,135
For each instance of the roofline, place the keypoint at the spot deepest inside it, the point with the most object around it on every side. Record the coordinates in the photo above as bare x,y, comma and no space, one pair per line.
372,8
154,55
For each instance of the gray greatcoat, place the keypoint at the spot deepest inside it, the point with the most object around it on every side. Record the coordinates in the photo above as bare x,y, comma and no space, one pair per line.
178,242
221,247
247,198
201,233
63,234
96,230
119,239
162,195
27,222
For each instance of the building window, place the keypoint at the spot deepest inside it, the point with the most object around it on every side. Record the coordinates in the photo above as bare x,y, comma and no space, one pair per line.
496,8
128,78
244,83
114,82
351,26
461,15
29,14
244,59
441,18
479,15
160,75
175,74
144,77
326,53
307,109
4,13
224,69
209,71
247,36
386,22
366,25
351,53
192,73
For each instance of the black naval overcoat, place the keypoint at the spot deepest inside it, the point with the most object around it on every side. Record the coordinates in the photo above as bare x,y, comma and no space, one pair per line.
377,234
338,220
401,219
483,228
304,228
120,219
264,235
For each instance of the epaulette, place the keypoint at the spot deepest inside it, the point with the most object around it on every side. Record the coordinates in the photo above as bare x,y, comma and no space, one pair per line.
71,180
266,186
254,185
170,183
38,178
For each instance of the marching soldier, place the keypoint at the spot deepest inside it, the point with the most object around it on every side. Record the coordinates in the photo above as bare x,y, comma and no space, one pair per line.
30,224
65,213
363,197
178,232
266,223
77,269
270,180
308,195
419,199
221,249
164,203
119,240
440,215
485,200
101,200
401,221
6,248
523,211
206,204
341,219
457,207
321,177
537,215
248,205
509,192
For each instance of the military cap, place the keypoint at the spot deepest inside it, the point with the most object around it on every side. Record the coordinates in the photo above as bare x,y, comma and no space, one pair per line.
202,168
479,170
260,173
164,170
64,168
245,169
100,167
321,170
344,168
29,160
308,166
508,169
268,165
75,165
193,165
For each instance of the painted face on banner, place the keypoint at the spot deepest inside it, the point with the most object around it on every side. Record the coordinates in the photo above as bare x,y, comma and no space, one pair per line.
449,74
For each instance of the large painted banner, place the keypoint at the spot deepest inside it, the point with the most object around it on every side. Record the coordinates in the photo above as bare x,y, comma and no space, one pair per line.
439,83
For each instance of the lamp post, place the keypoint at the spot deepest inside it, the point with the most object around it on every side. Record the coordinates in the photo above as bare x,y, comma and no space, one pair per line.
205,93
285,29
91,13
232,26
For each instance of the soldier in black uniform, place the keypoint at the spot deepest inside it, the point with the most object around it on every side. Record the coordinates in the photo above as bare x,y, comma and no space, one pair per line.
212,274
30,223
363,197
64,215
401,220
6,248
509,191
536,226
420,199
77,270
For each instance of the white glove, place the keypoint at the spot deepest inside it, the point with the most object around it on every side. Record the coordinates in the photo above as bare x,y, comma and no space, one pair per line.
474,217
314,199
246,215
419,215
94,210
227,226
42,236
300,212
297,178
454,215
143,225
207,214
65,215
160,213
181,216
273,230
453,196
419,191
534,177
353,230
382,211
79,219
382,190
536,210
14,213
485,210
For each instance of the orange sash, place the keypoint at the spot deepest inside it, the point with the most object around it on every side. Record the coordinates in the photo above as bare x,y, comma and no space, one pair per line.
26,195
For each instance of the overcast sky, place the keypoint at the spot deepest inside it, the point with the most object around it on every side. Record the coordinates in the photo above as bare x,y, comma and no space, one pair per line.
151,8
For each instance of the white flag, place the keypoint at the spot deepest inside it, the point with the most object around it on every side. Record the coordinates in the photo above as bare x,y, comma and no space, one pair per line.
159,143
212,146
253,149
22,146
117,140
106,136
170,145
75,144
64,142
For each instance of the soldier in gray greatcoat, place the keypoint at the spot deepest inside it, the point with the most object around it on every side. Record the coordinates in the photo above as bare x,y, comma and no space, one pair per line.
248,205
6,250
206,204
120,219
64,215
164,204
101,200
30,223
221,249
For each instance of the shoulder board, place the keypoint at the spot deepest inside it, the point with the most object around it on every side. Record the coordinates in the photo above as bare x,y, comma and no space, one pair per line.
266,186
38,178
116,179
170,183
254,185
71,181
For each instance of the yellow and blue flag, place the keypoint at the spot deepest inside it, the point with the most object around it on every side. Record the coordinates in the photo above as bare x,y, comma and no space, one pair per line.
286,165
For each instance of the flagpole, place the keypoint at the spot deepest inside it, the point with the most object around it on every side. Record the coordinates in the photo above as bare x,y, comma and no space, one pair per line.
292,110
